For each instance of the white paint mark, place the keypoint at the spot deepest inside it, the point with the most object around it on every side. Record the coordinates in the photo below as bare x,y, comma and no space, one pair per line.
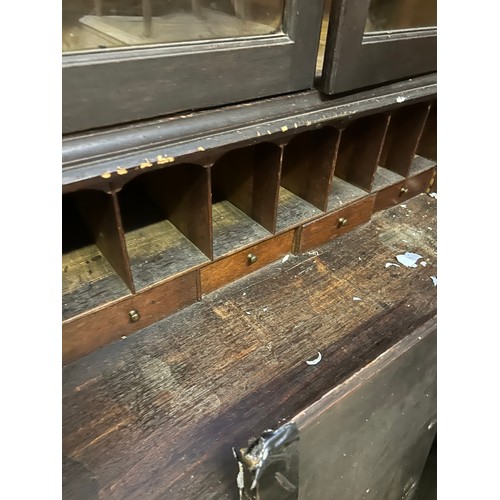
433,195
368,490
124,337
247,312
314,361
408,259
356,298
285,258
402,205
400,99
265,309
434,280
423,263
390,264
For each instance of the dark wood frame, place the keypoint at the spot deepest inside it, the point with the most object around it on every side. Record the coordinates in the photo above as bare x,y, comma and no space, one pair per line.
355,59
103,88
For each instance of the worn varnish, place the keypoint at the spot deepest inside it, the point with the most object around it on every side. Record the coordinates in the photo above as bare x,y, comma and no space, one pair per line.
335,224
156,415
87,332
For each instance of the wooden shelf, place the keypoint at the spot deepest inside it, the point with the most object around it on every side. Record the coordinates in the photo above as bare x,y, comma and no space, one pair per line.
233,229
292,210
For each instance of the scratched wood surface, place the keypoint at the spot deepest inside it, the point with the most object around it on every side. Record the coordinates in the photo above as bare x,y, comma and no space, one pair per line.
156,415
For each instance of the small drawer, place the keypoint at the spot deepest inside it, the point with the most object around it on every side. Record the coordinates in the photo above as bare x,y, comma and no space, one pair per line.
246,261
403,190
88,332
335,224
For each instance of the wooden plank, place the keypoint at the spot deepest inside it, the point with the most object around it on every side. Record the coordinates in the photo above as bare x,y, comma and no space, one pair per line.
235,266
232,229
88,332
156,415
342,193
292,210
335,224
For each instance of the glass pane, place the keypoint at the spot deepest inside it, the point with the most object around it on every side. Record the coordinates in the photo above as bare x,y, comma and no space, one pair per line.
101,24
400,14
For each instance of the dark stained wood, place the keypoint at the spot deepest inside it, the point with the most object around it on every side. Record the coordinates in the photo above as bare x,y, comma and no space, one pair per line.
402,191
402,138
308,163
342,193
136,83
359,150
384,178
427,147
233,229
88,156
158,249
332,225
420,164
292,210
231,268
183,194
249,179
355,60
102,216
88,279
88,332
156,415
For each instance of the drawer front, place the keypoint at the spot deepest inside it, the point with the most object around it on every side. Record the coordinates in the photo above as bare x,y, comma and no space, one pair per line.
86,333
403,190
246,261
335,224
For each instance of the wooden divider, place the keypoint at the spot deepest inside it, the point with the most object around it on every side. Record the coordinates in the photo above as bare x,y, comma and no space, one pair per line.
359,150
427,146
166,216
402,138
244,196
95,261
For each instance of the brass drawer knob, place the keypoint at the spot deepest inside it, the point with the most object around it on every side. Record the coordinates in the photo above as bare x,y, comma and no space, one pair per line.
252,259
342,221
404,190
134,315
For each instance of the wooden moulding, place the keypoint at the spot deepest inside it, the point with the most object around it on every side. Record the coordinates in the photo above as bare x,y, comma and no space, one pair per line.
404,190
86,333
335,224
427,146
235,266
360,149
244,196
402,138
166,215
95,261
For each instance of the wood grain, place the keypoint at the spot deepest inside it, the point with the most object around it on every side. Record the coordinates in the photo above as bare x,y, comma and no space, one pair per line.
359,150
88,332
308,163
394,195
156,415
402,138
235,266
326,228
